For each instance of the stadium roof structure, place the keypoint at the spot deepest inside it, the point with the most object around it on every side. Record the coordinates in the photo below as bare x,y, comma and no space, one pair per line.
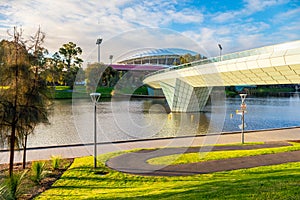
165,56
129,67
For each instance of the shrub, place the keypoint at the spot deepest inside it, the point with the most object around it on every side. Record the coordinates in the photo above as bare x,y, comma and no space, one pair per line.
37,172
56,160
10,189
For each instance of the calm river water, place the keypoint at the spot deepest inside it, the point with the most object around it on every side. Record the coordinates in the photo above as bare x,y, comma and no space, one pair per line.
121,120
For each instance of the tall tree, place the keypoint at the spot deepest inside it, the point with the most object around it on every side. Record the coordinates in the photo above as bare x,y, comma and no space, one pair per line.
22,103
36,97
54,68
70,52
72,62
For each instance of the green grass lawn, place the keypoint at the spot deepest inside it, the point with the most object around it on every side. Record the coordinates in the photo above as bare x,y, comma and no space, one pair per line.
81,181
65,92
217,155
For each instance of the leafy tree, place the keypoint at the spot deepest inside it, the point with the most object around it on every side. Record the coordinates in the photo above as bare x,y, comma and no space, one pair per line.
187,58
71,62
70,52
98,74
23,104
54,72
36,94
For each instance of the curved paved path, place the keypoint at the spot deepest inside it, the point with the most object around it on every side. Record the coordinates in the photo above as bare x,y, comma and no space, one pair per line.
136,163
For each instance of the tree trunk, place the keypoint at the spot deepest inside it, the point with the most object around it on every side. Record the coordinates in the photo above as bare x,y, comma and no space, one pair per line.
24,151
12,149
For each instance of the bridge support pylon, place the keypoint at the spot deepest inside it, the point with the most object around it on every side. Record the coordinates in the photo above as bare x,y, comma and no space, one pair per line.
183,97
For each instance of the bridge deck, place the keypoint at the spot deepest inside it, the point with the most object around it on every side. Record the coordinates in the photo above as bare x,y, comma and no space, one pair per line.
277,64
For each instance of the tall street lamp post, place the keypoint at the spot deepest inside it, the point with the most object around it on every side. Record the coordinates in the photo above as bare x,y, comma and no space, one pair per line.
221,48
98,42
95,97
243,109
111,58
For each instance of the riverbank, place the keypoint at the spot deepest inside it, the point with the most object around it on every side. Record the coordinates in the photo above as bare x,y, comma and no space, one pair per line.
66,92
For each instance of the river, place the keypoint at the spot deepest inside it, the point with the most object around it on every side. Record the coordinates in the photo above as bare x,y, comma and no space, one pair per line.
121,120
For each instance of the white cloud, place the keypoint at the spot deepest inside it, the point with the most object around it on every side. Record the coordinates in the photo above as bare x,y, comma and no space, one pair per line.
206,40
288,14
250,7
226,16
259,5
83,21
185,16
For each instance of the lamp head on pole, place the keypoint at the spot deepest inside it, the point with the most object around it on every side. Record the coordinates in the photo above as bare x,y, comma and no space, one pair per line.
95,97
99,40
243,97
220,46
110,58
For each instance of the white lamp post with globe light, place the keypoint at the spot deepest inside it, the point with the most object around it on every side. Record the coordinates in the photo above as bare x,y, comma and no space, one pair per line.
243,109
95,98
242,112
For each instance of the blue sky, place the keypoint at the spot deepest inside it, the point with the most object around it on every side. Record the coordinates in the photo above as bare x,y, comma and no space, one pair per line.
237,25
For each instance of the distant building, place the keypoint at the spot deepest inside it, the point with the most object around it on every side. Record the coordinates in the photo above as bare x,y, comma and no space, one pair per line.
141,63
165,56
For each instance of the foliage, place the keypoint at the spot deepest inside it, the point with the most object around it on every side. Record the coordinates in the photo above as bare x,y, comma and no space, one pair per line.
187,58
272,89
56,160
29,189
37,171
64,65
23,104
54,70
81,181
11,188
100,75
69,53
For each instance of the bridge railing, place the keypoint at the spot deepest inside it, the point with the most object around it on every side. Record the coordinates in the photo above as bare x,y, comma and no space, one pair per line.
251,52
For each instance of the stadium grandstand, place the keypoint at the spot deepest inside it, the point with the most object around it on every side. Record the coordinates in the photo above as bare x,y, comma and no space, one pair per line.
165,56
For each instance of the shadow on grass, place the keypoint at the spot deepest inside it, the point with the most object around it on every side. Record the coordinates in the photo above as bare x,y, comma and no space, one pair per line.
259,183
265,188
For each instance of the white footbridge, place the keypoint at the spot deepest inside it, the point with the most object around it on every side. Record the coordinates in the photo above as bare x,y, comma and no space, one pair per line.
187,87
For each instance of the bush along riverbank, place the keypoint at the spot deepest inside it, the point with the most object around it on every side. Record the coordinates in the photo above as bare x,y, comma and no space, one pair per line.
262,91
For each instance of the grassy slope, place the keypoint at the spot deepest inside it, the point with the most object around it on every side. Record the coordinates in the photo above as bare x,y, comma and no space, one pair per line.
65,92
217,155
81,181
